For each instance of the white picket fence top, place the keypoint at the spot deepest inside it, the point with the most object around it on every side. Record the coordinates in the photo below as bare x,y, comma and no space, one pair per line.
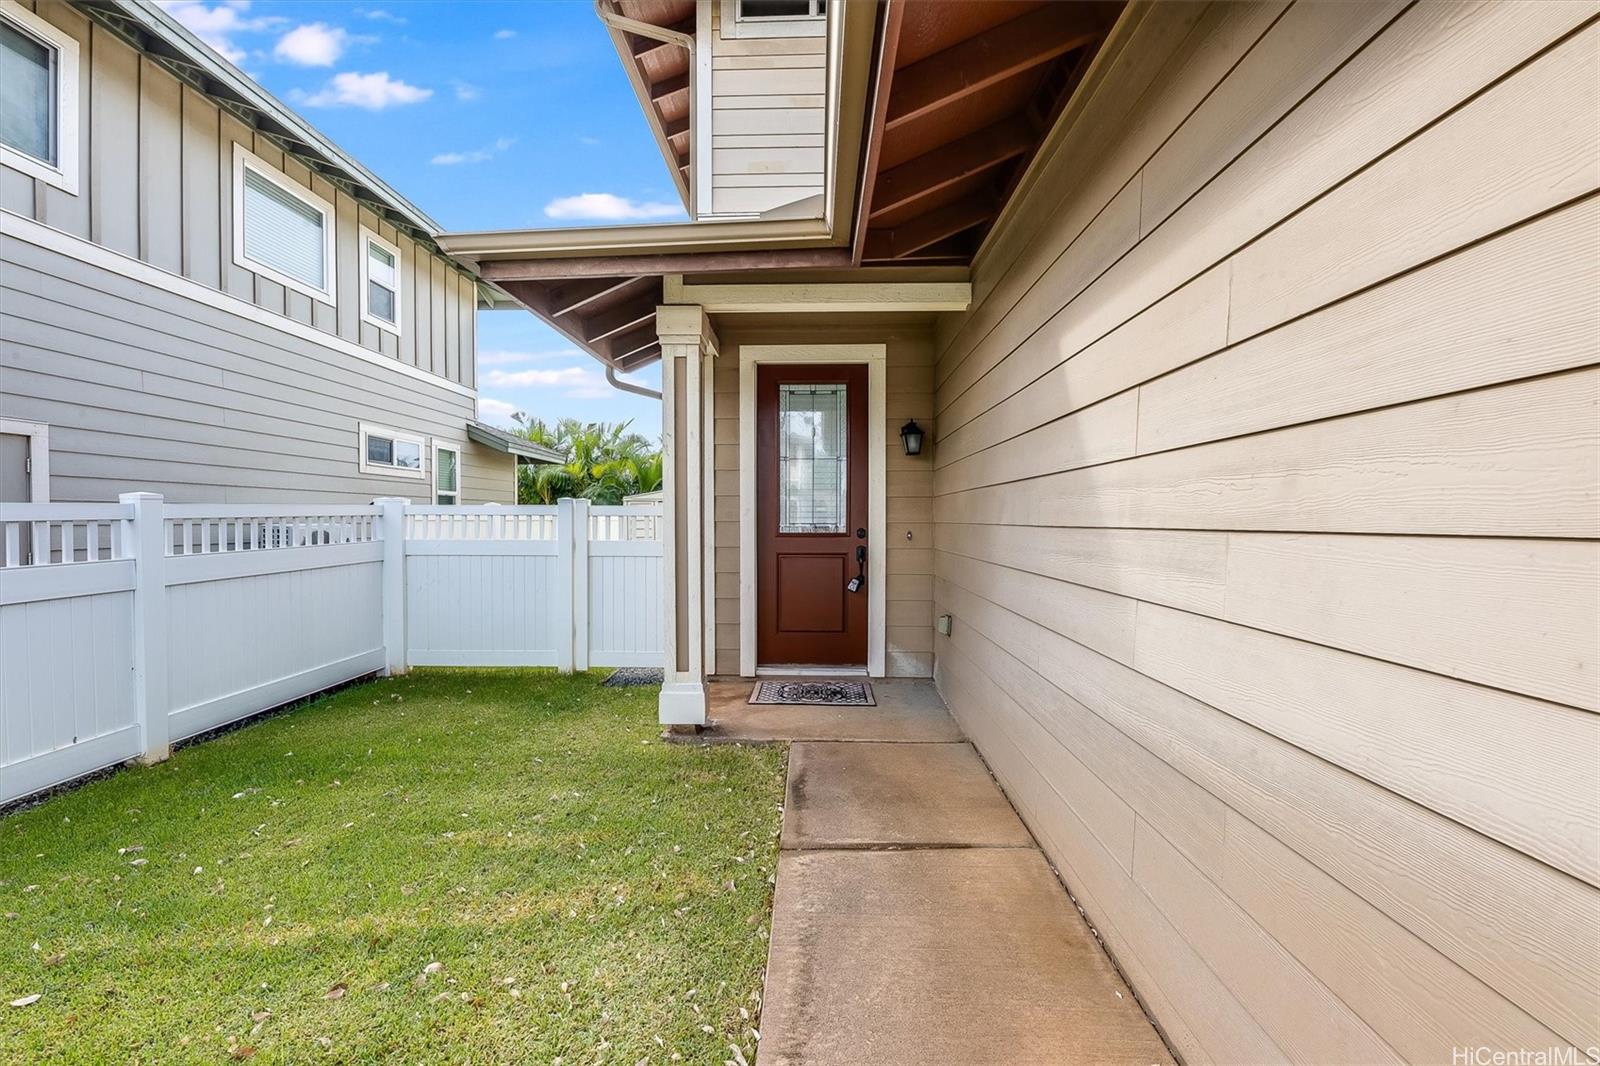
52,534
201,529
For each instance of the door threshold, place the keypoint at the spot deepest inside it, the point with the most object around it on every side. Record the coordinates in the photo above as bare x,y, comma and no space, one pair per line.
807,670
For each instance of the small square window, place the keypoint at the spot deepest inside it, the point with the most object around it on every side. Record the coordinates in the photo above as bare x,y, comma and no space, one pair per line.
38,98
380,282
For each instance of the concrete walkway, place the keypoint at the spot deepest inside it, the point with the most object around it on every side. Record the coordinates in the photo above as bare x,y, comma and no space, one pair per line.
915,920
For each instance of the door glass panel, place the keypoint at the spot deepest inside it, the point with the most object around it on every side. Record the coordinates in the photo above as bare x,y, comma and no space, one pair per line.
813,437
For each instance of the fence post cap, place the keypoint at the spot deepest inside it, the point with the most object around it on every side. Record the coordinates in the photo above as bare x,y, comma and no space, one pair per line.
381,500
135,497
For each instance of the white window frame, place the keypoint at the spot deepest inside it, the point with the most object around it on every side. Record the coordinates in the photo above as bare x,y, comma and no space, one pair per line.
734,25
369,429
38,434
63,174
434,480
243,158
369,237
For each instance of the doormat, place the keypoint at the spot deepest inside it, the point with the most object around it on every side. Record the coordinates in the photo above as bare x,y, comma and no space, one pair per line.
823,693
632,676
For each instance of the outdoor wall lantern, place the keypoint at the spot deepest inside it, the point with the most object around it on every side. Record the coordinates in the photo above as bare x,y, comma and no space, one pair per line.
911,437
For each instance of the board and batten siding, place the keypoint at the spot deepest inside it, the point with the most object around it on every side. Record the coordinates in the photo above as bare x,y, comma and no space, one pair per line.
908,484
156,186
767,108
1266,505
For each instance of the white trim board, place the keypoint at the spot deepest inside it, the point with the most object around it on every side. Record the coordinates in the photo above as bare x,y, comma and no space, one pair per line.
876,357
76,248
38,434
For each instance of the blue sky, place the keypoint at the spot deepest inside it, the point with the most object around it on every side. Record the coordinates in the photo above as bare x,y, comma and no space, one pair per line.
487,115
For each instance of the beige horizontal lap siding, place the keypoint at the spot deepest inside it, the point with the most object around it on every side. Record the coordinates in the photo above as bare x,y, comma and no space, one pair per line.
908,487
766,120
156,183
1265,496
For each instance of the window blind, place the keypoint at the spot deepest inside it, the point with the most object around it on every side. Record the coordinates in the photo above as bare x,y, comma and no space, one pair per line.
283,232
27,94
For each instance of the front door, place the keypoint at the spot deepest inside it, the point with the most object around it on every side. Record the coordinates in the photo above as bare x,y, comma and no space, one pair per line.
811,515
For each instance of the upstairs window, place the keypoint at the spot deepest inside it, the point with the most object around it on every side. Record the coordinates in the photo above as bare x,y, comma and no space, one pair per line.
281,230
390,452
380,282
38,98
774,18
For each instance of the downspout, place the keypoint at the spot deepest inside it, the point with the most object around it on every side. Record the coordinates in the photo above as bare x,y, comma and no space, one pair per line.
628,386
619,23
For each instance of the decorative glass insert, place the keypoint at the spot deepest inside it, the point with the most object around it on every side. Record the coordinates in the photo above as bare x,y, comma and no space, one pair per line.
382,283
813,458
282,231
27,94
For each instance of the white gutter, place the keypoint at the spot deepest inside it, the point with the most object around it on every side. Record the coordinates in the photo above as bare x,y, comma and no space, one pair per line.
628,386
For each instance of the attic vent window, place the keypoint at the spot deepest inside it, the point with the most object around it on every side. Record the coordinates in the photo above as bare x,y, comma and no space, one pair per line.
774,18
281,230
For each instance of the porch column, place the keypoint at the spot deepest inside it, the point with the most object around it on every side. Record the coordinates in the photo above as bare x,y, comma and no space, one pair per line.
688,349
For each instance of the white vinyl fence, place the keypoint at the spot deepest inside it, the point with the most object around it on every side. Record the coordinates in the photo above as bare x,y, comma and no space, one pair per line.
127,626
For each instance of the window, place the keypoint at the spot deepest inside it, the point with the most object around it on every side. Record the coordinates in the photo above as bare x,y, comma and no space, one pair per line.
386,451
813,457
774,18
446,475
380,282
38,98
281,230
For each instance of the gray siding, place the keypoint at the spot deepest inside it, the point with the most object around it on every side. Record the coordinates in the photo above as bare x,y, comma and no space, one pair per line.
156,183
146,389
1265,505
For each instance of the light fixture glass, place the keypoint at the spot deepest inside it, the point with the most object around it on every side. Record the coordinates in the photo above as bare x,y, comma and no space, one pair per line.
911,437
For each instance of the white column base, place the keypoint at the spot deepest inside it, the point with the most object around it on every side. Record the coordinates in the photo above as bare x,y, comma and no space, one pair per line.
683,703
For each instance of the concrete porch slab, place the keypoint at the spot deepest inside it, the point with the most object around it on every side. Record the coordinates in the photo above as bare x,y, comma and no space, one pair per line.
864,795
908,711
950,955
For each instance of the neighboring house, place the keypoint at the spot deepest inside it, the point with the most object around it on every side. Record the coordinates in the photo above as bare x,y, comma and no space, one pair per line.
1252,537
203,297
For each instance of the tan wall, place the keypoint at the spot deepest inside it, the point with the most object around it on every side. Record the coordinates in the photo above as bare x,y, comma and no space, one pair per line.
908,486
766,119
1266,505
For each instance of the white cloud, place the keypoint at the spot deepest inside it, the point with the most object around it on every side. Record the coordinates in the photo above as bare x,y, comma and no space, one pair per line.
466,91
494,410
505,358
477,155
378,14
373,92
504,35
315,44
217,24
607,207
590,141
573,382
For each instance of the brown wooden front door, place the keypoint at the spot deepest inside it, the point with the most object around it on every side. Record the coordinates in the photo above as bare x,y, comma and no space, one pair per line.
811,515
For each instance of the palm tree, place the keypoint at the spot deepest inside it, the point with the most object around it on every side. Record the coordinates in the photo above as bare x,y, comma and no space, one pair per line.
605,461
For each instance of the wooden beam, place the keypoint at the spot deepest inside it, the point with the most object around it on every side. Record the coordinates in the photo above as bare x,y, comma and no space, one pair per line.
632,343
824,297
579,294
677,126
991,57
619,320
507,270
931,228
888,48
650,47
660,90
950,163
643,357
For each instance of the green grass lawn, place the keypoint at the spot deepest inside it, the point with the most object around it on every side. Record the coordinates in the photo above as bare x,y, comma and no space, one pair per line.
471,866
